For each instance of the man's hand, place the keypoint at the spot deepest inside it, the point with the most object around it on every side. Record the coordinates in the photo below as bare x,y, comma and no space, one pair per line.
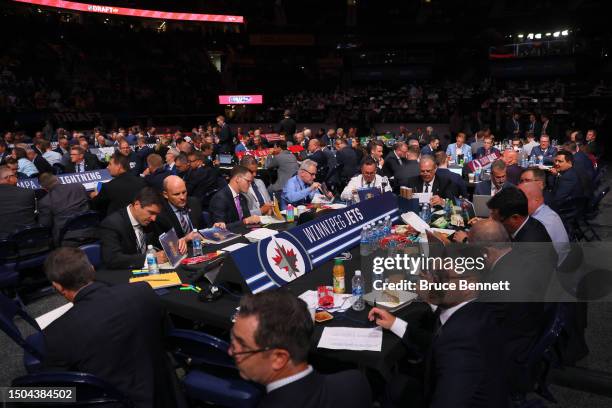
146,172
266,208
315,186
93,194
253,219
161,257
219,225
381,162
381,317
182,245
553,171
459,236
436,200
329,195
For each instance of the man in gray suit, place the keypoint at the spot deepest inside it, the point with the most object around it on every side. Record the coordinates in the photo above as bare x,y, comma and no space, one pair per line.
285,162
16,203
258,199
62,202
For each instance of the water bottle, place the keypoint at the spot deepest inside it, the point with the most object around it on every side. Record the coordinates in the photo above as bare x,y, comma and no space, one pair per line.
380,233
290,216
357,289
447,209
387,224
364,244
425,212
152,261
196,242
372,238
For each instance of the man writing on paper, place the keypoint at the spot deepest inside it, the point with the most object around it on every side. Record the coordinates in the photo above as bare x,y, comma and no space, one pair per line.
126,233
301,188
367,179
115,333
428,182
270,342
179,211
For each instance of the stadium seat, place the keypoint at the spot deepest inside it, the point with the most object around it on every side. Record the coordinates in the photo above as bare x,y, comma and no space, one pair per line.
93,252
80,222
32,244
90,390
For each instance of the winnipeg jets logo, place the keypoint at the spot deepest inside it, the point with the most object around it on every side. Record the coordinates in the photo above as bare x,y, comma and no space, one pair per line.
285,259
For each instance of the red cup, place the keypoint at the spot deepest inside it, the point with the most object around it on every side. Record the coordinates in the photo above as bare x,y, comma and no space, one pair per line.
326,297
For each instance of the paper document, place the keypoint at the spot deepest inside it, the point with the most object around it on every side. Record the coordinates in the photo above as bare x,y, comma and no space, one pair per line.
259,234
234,247
49,317
410,218
424,198
350,338
267,219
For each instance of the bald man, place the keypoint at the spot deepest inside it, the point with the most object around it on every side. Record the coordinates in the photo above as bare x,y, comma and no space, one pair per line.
428,181
550,219
513,170
179,211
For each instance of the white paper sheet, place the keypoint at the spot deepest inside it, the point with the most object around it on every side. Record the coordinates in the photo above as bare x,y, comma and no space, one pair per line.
350,338
410,218
234,247
424,198
49,317
268,219
259,234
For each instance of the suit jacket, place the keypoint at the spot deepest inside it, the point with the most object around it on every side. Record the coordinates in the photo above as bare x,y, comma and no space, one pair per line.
322,166
482,152
513,173
201,182
223,208
442,186
464,366
42,165
167,219
226,139
117,193
457,180
392,164
288,126
254,204
484,187
287,166
408,171
566,186
343,389
119,245
115,333
348,166
16,208
547,155
156,180
91,163
532,231
60,204
581,163
427,150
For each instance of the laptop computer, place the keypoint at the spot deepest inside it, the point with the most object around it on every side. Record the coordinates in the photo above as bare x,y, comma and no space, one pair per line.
225,159
480,205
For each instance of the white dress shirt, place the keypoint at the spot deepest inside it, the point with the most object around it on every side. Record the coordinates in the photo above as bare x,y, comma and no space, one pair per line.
554,226
274,385
141,243
400,326
358,182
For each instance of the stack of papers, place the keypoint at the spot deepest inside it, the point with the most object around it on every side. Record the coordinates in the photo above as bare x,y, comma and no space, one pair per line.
162,280
350,338
267,219
259,234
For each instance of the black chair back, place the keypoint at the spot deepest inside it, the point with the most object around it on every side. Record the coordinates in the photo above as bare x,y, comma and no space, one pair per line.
32,241
81,221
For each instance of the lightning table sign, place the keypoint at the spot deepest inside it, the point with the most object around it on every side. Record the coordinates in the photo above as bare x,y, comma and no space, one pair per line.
278,260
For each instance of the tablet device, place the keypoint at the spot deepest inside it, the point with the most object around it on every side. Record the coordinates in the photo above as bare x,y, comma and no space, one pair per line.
225,159
480,205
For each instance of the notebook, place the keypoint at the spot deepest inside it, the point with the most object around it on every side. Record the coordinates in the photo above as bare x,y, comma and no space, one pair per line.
162,280
216,235
169,242
480,205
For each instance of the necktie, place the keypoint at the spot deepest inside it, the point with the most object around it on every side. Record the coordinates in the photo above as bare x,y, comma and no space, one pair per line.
437,321
238,206
184,220
140,241
426,189
258,194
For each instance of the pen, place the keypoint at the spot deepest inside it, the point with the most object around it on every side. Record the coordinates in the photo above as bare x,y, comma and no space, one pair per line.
139,270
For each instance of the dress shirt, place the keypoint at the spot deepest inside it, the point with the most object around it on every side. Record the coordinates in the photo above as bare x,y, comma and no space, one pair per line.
519,228
528,146
52,157
274,385
451,151
182,214
26,167
296,190
429,185
140,236
493,189
357,182
554,226
400,326
79,167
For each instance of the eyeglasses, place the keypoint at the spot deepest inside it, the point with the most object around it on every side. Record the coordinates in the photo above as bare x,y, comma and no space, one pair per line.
247,180
312,174
248,352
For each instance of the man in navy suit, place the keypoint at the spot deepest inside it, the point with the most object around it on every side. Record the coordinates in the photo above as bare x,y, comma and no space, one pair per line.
566,182
443,171
432,147
498,180
229,206
226,139
486,149
272,350
582,163
544,151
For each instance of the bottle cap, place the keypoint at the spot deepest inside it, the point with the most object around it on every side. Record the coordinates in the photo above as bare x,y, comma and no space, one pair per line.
338,261
357,272
149,246
195,230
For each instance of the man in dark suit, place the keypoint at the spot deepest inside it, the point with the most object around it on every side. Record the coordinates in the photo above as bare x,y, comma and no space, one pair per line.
513,170
432,147
534,126
316,154
566,182
134,163
581,162
395,159
409,170
63,148
486,149
440,188
346,159
443,171
126,233
113,332
155,173
120,191
79,163
226,139
463,363
594,145
287,125
16,204
41,164
229,207
272,350
180,212
202,181
510,207
62,202
544,152
498,180
513,126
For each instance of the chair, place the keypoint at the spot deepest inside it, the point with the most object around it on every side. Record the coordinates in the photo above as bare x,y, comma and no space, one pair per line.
32,245
93,252
80,222
9,276
591,213
218,382
33,346
58,169
90,390
570,212
206,218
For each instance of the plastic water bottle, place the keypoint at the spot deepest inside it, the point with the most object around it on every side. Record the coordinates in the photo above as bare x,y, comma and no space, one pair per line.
152,261
364,244
357,289
290,215
196,242
388,225
380,233
425,212
447,209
